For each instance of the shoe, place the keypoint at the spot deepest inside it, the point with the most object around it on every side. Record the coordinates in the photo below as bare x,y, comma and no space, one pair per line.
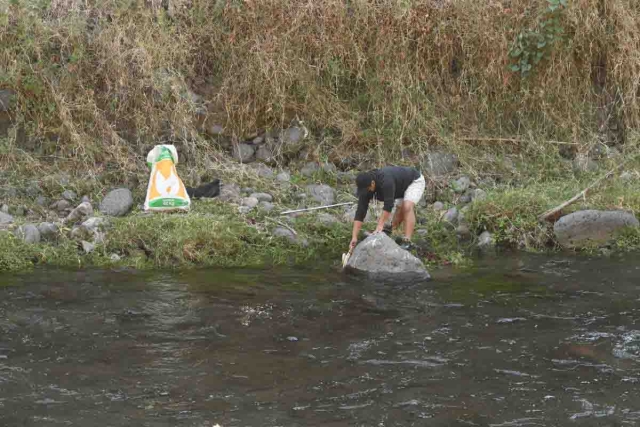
406,244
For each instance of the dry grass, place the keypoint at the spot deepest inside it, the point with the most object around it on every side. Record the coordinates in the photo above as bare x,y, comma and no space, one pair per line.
110,79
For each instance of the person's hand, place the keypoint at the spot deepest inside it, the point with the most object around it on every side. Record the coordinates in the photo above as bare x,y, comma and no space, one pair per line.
353,243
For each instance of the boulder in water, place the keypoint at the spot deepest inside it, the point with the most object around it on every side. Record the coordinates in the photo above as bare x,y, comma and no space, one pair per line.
380,258
591,227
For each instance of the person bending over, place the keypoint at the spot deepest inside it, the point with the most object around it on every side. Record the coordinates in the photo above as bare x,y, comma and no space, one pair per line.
402,185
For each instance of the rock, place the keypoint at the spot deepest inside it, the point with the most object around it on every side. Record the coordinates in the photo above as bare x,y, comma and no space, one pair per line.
85,199
42,201
114,257
5,218
265,154
329,168
262,197
60,205
117,202
246,191
33,190
461,185
346,177
627,176
350,213
250,202
69,195
229,192
93,224
463,232
88,247
327,219
7,97
322,194
244,153
48,230
258,140
465,198
591,227
244,209
486,241
451,216
267,206
28,233
19,211
582,163
478,195
4,208
215,129
263,171
438,206
290,236
437,164
82,211
309,169
284,176
293,137
380,258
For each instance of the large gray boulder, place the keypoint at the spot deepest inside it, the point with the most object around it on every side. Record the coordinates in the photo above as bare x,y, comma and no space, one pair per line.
379,258
322,194
28,233
117,202
437,164
591,227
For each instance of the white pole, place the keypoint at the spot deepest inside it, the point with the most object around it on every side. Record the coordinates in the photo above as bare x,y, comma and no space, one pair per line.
316,208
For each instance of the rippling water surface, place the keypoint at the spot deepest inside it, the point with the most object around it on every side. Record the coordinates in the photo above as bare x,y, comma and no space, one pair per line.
530,341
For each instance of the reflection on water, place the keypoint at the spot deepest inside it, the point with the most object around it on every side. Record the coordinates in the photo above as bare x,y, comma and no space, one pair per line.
517,342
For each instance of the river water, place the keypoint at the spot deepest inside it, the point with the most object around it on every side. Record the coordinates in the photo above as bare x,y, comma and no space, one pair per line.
522,341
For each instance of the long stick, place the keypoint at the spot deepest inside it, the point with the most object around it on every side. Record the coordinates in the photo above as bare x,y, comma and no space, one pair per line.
316,208
517,140
552,212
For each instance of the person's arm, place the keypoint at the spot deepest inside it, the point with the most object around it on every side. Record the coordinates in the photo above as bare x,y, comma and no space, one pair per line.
361,213
357,225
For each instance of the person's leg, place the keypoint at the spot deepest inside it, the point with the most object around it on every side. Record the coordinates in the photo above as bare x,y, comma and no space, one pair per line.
409,216
398,217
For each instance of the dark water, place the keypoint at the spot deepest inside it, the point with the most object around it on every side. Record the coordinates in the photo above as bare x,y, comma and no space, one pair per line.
516,342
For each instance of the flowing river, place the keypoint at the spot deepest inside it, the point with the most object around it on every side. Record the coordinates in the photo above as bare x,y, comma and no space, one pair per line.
516,341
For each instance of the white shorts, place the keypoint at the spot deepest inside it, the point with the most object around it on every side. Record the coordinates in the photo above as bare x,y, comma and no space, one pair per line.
414,192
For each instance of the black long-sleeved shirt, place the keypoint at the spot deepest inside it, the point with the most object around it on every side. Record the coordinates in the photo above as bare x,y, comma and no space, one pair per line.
391,184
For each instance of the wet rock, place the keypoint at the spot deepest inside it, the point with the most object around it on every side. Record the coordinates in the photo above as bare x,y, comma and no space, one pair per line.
451,216
322,194
265,154
243,153
267,206
262,197
438,164
229,192
117,202
69,195
290,236
83,211
48,230
478,194
28,233
461,185
309,169
284,176
327,219
438,206
583,163
380,258
250,202
88,247
42,201
592,227
5,218
263,171
486,241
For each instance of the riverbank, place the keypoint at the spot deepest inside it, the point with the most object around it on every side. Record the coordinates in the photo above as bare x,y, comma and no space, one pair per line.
465,210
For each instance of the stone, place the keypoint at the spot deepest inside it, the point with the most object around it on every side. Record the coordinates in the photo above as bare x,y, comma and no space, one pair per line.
451,216
244,153
283,176
60,205
114,257
28,233
322,194
18,211
329,168
582,163
258,140
293,137
263,171
48,230
4,208
309,169
5,218
80,213
93,224
627,176
42,201
465,198
350,213
33,190
486,240
438,206
250,202
262,197
346,177
327,219
215,129
85,199
478,195
267,206
380,258
88,247
265,154
117,202
461,184
285,233
591,227
229,192
463,232
69,195
246,191
244,209
7,97
438,164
